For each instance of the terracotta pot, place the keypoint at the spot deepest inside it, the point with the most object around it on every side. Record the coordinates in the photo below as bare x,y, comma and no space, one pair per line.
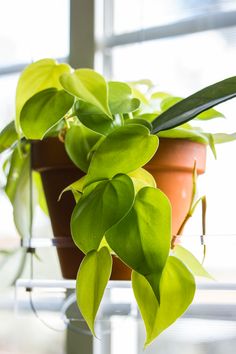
172,168
57,171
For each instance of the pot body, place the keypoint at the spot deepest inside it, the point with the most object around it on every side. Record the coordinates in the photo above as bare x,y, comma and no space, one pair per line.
171,167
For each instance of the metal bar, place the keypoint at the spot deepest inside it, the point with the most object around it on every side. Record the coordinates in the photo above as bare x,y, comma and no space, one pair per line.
204,22
123,284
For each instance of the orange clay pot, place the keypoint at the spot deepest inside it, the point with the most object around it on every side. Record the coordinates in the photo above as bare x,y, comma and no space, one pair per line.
172,168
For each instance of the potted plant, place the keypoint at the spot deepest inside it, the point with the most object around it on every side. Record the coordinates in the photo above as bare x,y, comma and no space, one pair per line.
118,209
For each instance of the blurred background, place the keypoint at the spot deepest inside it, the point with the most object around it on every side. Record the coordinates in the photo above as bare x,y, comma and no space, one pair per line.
181,46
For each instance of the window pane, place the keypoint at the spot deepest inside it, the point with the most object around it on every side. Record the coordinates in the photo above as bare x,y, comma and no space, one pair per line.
149,13
182,65
30,30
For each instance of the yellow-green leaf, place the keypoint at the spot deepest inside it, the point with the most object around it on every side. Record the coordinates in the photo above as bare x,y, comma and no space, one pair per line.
37,77
92,278
177,289
89,86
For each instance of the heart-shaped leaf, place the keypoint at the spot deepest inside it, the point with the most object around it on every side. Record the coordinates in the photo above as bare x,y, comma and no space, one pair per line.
92,278
42,111
37,77
89,86
123,150
177,289
100,209
142,238
78,143
8,136
191,262
121,99
193,105
142,178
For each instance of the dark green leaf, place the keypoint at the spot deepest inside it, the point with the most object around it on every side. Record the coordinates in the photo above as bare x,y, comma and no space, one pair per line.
142,238
8,136
42,111
193,105
123,150
92,278
100,209
177,289
78,143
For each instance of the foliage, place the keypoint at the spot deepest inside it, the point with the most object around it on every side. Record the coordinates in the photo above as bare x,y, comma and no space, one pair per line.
111,131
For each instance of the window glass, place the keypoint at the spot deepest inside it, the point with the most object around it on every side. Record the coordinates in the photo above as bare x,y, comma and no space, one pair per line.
149,13
30,30
181,66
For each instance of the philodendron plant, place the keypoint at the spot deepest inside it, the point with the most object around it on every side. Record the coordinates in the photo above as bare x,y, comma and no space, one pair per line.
110,131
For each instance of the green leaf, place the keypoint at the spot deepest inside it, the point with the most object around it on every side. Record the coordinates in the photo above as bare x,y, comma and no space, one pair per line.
78,143
43,111
123,150
92,278
191,262
21,202
100,209
121,99
17,162
37,77
142,238
8,136
210,114
89,86
169,101
76,188
142,178
139,121
177,289
220,138
40,192
185,133
193,105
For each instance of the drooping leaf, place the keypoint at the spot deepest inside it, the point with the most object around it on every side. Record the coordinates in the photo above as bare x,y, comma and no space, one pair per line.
42,111
220,138
92,278
193,105
142,238
191,262
40,191
177,289
142,178
78,143
17,161
89,86
98,210
76,188
21,203
8,136
123,150
37,77
121,99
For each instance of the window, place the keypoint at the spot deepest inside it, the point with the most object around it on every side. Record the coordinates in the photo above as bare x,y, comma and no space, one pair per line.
181,46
